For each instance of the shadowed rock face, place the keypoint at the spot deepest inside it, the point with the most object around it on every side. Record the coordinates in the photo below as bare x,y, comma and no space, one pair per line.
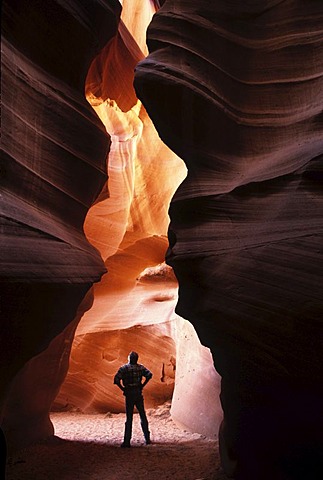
240,100
47,265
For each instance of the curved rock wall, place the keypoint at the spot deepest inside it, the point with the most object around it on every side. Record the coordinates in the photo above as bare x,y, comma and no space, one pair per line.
52,170
30,395
240,100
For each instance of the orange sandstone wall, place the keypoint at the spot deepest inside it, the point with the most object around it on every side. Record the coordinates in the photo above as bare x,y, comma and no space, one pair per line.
134,302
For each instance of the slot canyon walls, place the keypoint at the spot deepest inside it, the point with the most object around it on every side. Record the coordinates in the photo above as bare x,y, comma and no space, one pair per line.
233,88
50,132
240,96
57,155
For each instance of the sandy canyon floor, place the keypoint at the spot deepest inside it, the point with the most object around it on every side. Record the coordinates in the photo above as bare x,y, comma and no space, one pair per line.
87,447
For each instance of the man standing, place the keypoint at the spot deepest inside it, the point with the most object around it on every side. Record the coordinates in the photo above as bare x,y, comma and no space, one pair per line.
131,376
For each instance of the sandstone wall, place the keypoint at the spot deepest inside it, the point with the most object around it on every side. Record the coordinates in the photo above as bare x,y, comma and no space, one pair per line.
240,100
52,169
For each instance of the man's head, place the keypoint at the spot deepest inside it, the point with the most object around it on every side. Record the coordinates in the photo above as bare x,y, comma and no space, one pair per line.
133,357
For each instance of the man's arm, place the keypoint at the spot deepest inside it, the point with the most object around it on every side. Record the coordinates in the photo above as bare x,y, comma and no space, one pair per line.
117,381
147,374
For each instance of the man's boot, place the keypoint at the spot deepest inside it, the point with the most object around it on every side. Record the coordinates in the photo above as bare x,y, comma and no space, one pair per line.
127,435
146,432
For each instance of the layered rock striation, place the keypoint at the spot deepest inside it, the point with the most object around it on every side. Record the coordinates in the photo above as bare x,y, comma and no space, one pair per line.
50,132
240,101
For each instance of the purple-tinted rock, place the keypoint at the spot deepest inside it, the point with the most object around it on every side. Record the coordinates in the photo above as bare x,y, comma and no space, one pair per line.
240,100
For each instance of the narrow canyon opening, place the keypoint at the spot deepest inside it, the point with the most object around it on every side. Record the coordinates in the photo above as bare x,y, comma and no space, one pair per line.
134,303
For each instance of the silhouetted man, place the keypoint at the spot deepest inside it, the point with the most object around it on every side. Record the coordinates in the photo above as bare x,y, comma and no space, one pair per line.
131,375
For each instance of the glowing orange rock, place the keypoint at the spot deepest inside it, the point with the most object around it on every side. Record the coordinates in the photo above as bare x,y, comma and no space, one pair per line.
129,226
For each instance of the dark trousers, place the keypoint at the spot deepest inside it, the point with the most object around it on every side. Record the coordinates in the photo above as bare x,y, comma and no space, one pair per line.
134,398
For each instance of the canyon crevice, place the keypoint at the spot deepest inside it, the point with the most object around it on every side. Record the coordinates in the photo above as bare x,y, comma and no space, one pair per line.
217,120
